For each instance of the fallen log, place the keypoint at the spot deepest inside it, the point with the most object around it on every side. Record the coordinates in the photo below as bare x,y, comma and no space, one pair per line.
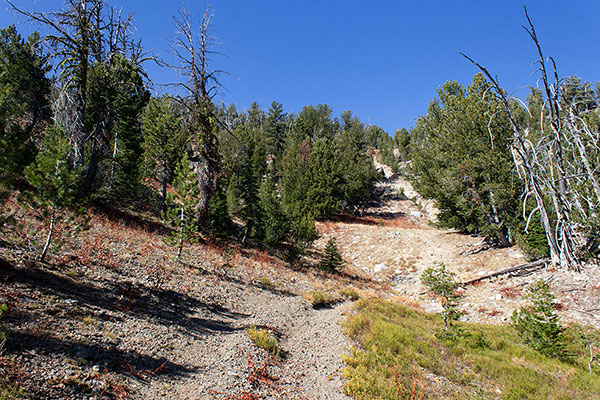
529,267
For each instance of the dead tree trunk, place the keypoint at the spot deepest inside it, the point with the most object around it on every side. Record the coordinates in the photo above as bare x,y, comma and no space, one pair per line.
556,168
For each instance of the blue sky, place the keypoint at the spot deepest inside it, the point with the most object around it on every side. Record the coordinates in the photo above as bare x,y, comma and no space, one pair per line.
381,59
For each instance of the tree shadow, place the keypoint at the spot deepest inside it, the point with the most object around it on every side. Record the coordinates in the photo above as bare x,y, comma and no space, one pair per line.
238,281
387,216
130,219
352,219
108,357
163,306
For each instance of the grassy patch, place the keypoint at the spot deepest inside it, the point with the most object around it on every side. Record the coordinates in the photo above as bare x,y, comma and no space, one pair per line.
320,299
400,357
263,339
349,293
9,391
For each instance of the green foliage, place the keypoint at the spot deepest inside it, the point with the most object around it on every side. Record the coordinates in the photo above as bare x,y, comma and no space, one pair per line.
461,157
164,138
9,391
399,354
332,259
24,108
539,325
533,242
181,205
122,87
443,284
219,221
319,299
263,339
24,99
53,177
275,222
402,142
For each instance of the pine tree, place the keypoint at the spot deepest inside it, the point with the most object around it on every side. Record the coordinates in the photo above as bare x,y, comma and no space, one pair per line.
461,158
275,222
332,260
54,179
164,137
443,284
24,106
180,210
219,221
539,325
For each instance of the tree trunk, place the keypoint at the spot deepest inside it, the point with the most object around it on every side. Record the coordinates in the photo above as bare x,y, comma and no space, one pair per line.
114,159
163,206
50,232
181,225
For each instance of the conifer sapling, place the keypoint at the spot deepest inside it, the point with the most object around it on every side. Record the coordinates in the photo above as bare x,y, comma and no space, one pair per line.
54,179
181,205
443,284
332,260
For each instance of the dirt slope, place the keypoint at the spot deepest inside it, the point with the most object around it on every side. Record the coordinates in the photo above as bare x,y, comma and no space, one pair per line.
395,242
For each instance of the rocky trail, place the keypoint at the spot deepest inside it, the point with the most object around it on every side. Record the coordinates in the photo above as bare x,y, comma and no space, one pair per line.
109,319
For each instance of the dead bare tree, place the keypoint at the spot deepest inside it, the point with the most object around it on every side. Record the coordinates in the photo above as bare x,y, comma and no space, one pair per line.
559,168
193,51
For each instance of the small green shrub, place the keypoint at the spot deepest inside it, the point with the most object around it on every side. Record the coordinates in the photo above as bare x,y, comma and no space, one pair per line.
263,339
539,325
443,284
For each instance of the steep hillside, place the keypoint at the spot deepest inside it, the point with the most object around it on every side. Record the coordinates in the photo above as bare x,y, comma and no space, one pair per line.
111,316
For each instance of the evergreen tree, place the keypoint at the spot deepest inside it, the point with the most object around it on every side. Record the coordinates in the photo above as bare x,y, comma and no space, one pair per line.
275,130
356,168
164,140
332,260
443,284
54,180
130,98
461,158
219,221
275,222
24,106
539,325
180,209
402,143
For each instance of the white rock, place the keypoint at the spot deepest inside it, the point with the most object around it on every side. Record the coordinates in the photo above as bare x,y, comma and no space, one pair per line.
379,267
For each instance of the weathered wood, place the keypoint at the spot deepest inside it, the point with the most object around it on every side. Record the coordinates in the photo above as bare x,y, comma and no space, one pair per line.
529,267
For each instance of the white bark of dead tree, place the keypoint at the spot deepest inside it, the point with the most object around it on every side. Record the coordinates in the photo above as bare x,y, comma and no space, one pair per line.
557,167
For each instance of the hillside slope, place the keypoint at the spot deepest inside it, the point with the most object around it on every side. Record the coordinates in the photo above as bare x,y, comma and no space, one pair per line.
110,316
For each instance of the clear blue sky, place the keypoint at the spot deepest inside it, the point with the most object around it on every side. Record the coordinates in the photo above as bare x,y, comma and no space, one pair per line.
381,59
